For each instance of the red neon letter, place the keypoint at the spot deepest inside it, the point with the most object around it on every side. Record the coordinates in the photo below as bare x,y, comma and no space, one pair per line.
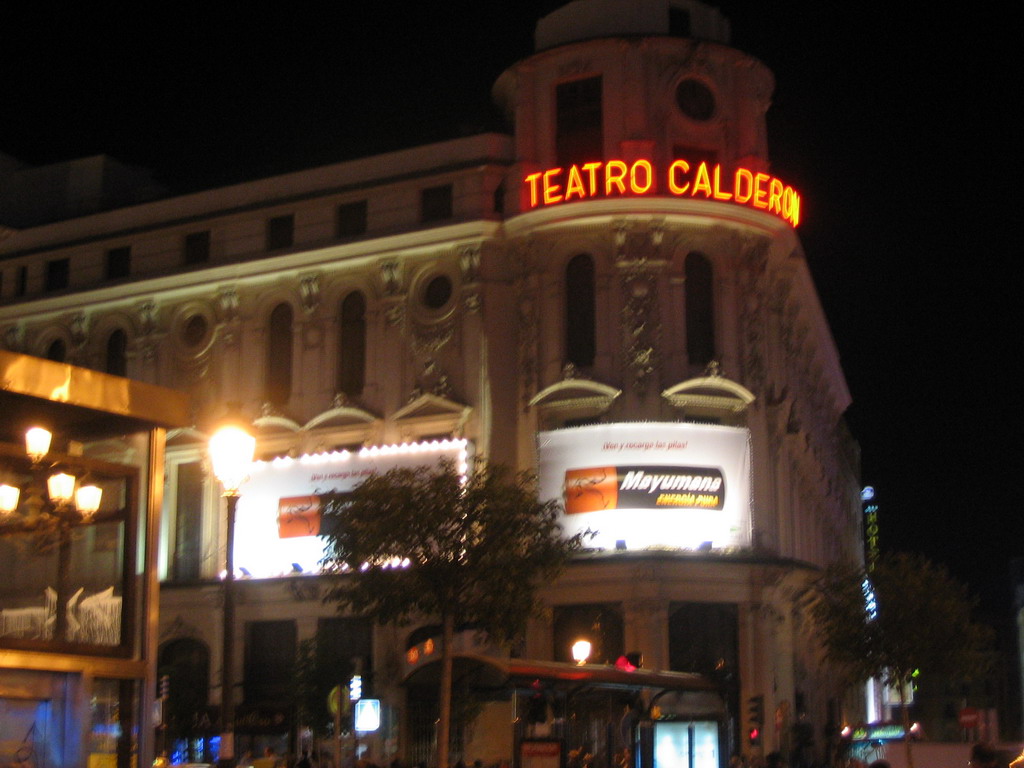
574,184
760,193
680,166
634,184
702,183
743,187
532,181
719,194
615,175
775,196
551,190
591,170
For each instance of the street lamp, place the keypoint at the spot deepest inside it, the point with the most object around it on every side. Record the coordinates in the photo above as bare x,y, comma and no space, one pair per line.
231,452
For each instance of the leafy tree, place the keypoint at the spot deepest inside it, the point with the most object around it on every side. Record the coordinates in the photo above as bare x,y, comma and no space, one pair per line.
907,615
419,542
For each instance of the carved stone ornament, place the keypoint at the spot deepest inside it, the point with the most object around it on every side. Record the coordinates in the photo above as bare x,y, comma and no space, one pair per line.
640,326
428,340
395,315
14,337
527,315
390,276
147,312
227,299
309,292
469,262
79,327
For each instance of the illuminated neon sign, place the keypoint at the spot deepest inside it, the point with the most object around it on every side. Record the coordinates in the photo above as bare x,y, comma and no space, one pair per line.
682,179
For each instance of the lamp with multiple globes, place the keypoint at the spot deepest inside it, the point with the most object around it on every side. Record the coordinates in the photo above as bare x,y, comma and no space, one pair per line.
67,505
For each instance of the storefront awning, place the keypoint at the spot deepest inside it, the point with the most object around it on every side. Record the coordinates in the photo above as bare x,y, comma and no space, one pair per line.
486,672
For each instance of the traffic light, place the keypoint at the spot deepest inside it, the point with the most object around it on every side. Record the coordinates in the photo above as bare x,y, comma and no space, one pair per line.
755,711
537,703
754,735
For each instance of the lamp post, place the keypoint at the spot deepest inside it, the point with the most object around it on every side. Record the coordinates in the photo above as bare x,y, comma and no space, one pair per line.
231,452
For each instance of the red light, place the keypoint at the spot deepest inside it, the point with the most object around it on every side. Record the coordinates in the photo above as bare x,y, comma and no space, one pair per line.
755,734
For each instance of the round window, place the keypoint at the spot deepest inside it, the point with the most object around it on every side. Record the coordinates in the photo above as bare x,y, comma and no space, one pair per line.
695,99
438,292
193,332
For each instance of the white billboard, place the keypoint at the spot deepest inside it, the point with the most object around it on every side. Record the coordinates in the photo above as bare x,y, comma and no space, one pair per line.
650,485
277,522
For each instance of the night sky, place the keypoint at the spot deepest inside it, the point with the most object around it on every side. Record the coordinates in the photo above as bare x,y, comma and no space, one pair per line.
895,127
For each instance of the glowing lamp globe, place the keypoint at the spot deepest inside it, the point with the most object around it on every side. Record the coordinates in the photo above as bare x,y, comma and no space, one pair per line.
231,451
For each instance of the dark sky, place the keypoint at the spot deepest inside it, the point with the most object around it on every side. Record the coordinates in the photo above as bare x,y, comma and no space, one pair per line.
900,130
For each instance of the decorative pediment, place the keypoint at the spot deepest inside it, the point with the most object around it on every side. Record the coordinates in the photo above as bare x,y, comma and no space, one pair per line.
710,397
573,398
186,437
341,417
431,415
274,425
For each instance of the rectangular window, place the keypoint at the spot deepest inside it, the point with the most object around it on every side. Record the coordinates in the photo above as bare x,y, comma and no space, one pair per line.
188,528
58,272
197,248
694,155
436,203
344,639
21,282
269,657
280,232
119,263
351,220
579,133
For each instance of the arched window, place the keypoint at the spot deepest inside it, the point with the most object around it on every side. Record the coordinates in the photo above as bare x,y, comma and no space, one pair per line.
279,356
117,353
57,351
580,338
700,309
352,345
186,663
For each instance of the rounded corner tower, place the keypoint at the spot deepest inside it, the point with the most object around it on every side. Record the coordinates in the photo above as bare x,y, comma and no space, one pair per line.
680,390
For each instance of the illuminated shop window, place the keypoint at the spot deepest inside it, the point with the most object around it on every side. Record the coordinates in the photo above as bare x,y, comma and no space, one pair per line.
700,309
436,203
279,355
580,336
58,272
116,361
351,219
280,232
579,135
352,345
119,263
197,248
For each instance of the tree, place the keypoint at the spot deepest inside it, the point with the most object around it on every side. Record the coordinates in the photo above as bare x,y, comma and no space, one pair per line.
906,616
421,542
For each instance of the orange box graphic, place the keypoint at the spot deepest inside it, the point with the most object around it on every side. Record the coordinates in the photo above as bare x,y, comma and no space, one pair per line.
298,516
591,489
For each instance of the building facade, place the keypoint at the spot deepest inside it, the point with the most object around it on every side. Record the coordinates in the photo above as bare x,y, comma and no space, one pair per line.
616,284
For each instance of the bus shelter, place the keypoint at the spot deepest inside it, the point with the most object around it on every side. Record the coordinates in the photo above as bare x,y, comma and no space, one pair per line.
79,517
